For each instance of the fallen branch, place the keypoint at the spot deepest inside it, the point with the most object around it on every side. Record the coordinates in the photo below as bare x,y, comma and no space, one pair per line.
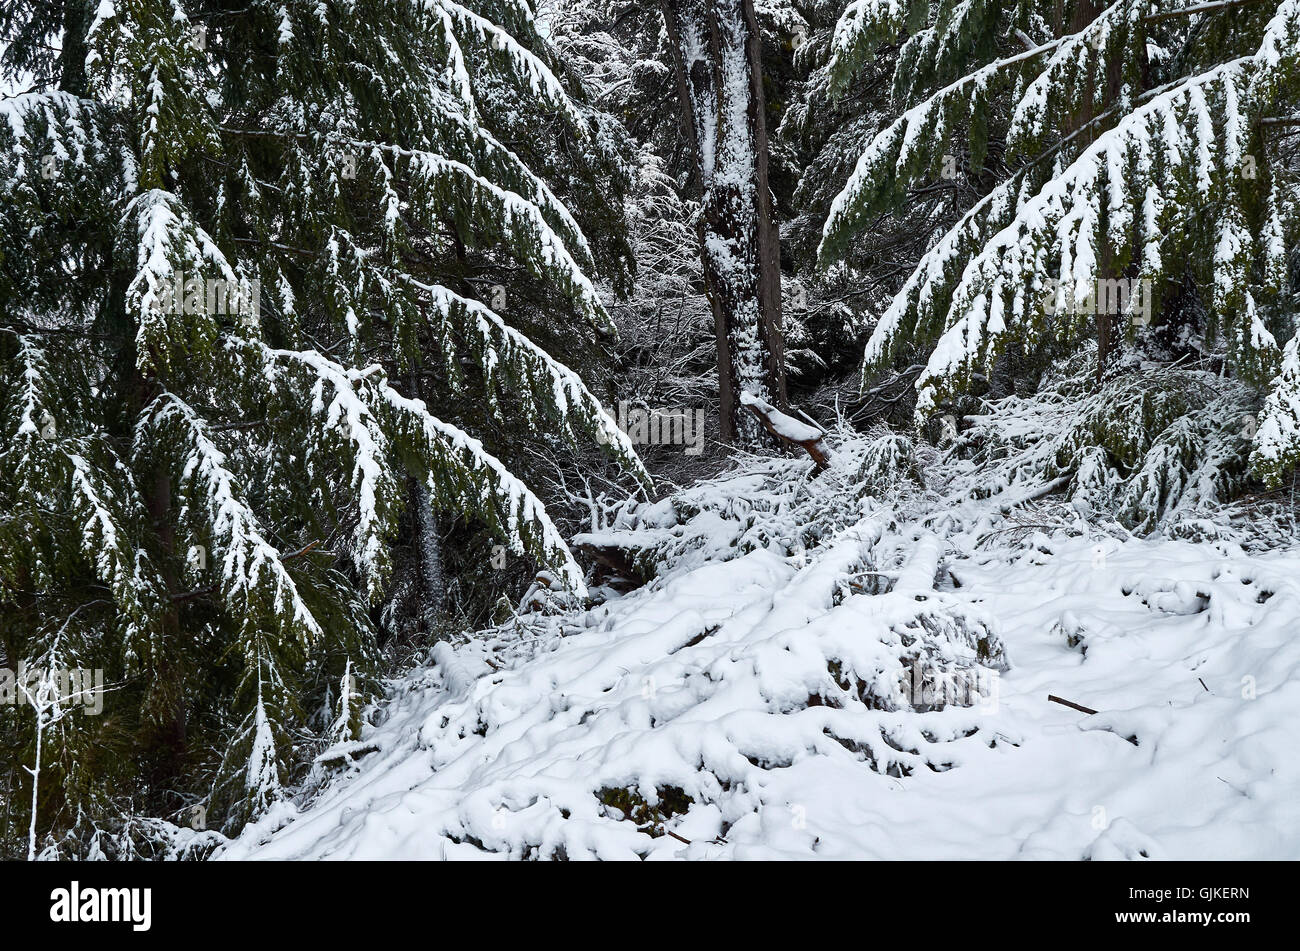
791,431
346,756
1030,495
1071,704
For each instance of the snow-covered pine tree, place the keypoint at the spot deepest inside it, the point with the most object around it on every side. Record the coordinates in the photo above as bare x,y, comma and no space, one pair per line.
228,237
1147,145
827,126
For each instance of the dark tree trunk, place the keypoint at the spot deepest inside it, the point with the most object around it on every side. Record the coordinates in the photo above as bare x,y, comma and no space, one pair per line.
428,545
166,732
428,553
1096,101
716,52
169,735
72,61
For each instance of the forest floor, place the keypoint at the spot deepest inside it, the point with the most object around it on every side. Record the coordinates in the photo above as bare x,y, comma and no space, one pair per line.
878,691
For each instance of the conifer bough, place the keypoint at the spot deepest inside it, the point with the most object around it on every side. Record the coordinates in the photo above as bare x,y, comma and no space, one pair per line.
1137,148
160,461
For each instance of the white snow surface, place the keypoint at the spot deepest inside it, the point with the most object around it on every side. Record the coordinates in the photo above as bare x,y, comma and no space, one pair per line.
701,684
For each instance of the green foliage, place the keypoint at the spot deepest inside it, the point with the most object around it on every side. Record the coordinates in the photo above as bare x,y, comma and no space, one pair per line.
1136,153
883,466
649,814
246,255
1151,447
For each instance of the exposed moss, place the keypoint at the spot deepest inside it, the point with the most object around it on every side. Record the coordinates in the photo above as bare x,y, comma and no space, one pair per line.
649,818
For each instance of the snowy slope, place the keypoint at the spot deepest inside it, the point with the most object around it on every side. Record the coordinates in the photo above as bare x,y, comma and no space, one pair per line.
758,706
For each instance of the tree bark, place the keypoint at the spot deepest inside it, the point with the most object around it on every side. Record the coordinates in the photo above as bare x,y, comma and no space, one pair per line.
170,733
428,549
72,60
717,57
1096,100
428,544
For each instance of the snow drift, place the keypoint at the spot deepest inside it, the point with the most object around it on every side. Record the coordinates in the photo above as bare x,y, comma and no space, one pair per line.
815,671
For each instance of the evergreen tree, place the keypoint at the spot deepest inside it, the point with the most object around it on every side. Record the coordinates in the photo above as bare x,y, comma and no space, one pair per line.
828,125
256,265
1147,149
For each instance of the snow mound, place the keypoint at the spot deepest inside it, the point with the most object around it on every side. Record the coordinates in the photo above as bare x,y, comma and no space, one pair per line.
880,693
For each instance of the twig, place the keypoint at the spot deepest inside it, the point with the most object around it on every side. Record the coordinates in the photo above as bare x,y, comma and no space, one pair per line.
1070,703
716,840
211,589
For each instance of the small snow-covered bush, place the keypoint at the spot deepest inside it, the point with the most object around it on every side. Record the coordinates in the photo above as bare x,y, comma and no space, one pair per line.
775,503
1154,446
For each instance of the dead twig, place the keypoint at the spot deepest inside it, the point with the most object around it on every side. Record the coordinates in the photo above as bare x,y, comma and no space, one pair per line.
1070,703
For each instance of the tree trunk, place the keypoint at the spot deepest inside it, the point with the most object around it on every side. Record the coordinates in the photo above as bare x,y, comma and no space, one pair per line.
170,734
428,552
428,544
1095,101
72,60
716,53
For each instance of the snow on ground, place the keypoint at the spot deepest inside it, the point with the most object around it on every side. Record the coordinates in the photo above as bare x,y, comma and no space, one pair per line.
767,706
